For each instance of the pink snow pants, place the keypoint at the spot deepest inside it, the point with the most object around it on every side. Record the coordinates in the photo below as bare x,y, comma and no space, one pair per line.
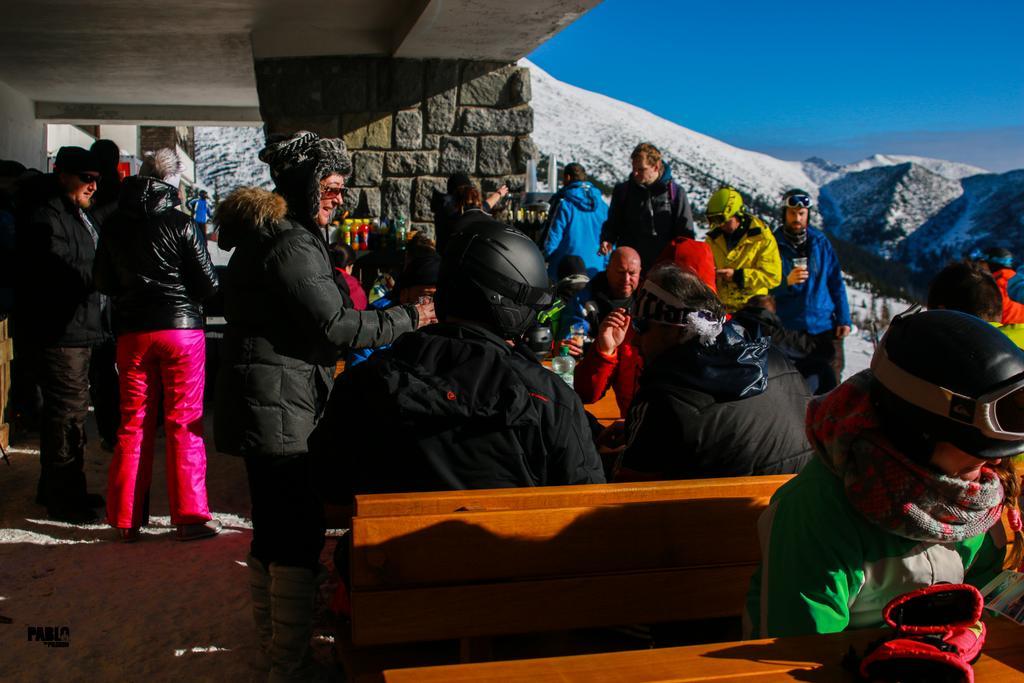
146,361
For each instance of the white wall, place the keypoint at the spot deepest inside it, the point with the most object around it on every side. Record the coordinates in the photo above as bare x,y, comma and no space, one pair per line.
22,137
126,137
65,135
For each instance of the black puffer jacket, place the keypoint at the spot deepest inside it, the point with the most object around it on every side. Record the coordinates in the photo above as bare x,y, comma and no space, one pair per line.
286,328
452,407
648,217
761,321
56,299
153,262
708,412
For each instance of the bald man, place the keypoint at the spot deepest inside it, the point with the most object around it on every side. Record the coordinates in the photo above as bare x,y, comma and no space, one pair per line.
612,360
614,287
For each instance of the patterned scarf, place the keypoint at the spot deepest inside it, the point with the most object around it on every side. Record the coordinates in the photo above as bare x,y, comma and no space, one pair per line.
795,237
888,488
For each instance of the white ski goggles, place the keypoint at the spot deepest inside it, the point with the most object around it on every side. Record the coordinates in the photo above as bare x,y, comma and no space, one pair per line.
998,414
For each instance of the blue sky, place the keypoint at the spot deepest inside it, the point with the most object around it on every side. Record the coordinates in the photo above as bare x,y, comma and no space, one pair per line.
840,80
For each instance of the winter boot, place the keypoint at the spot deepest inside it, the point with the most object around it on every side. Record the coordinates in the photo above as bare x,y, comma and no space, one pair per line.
259,590
292,594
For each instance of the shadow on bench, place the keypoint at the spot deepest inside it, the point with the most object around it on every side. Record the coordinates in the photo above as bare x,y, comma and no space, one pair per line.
461,565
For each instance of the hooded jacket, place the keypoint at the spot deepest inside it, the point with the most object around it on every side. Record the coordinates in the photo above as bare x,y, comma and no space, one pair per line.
452,406
286,328
825,566
647,217
820,304
56,298
574,228
732,409
754,256
152,261
1013,312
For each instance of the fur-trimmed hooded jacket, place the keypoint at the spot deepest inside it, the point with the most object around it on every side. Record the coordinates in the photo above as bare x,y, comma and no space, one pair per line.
287,326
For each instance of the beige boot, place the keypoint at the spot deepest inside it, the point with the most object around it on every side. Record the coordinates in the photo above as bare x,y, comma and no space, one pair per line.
292,594
259,590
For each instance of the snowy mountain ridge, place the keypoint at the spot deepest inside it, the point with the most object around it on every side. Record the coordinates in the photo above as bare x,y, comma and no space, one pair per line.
879,203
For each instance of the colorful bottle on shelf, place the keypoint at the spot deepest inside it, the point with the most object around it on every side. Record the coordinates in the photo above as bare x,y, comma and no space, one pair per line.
401,233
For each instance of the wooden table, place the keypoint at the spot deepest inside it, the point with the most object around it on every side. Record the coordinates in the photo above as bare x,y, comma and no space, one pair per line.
606,410
807,658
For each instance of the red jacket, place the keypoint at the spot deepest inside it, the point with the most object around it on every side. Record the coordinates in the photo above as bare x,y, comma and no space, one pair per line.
355,289
689,253
1013,312
596,372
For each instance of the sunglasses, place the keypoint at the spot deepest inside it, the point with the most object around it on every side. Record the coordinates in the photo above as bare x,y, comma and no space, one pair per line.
331,191
799,201
88,177
716,218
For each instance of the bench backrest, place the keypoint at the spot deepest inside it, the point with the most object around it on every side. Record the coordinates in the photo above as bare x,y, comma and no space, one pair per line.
471,563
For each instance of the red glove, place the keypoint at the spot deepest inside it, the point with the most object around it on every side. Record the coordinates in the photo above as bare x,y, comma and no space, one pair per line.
938,635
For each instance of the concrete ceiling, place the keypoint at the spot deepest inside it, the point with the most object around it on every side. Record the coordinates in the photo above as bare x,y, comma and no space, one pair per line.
150,60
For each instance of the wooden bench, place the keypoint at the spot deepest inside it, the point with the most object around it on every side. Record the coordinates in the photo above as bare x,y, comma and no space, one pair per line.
459,565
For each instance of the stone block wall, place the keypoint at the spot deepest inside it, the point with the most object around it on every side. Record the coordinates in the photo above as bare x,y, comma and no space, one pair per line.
408,123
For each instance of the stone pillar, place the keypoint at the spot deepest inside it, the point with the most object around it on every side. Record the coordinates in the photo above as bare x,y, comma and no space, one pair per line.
409,123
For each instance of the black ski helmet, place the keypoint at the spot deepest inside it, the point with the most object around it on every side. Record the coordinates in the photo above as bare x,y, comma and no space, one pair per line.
493,275
933,371
796,192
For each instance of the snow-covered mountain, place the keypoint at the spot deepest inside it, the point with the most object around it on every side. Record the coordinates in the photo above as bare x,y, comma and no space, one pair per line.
988,211
910,208
600,132
226,158
879,208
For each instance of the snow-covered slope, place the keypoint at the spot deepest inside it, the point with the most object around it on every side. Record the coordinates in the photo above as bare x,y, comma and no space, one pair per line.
878,208
947,169
878,203
226,158
600,133
989,211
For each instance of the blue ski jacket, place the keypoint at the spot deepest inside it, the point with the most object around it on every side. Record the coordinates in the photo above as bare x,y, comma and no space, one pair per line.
820,303
577,214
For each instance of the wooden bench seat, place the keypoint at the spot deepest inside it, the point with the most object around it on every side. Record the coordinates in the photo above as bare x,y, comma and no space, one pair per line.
472,563
461,565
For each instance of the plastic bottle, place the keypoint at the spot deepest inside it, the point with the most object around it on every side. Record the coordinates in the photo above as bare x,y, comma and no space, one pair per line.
365,228
401,234
346,231
564,365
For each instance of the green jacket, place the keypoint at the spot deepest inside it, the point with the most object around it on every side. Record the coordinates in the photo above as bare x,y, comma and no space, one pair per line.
1015,331
825,568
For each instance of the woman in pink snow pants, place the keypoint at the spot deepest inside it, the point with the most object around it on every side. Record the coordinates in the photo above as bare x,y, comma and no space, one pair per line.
153,262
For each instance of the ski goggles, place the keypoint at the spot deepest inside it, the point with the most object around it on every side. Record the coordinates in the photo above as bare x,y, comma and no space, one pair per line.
715,219
798,201
652,305
997,414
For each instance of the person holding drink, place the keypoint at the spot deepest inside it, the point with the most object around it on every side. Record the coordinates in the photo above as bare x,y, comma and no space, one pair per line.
811,299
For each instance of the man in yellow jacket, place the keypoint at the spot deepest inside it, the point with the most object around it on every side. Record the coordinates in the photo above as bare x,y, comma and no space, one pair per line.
746,256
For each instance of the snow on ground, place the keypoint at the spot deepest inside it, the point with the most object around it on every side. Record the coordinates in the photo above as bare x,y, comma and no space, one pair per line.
158,609
860,345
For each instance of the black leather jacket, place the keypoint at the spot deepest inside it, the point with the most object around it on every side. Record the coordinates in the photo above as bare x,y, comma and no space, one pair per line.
152,261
